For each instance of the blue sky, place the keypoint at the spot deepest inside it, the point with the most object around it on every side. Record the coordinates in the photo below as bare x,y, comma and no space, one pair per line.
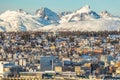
113,6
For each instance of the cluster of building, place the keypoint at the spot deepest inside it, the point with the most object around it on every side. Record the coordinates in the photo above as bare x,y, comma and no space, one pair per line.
78,56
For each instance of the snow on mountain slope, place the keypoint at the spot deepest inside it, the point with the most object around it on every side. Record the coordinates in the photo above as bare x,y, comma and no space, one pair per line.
85,19
45,19
90,25
18,21
84,13
106,15
47,16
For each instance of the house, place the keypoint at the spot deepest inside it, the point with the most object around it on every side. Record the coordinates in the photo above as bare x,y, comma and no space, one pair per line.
7,68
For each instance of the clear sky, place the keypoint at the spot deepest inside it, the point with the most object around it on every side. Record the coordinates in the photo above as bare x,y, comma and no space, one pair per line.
113,6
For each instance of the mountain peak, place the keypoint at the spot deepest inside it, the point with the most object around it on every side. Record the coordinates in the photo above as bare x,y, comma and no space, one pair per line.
44,11
105,14
82,14
18,21
84,9
21,11
45,8
47,15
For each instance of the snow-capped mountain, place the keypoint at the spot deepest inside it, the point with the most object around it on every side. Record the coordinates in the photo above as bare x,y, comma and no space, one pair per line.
83,19
84,13
86,19
47,16
18,21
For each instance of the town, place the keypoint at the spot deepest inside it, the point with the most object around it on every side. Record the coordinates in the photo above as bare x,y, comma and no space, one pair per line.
60,55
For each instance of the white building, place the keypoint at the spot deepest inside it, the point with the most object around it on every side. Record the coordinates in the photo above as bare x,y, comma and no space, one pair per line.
2,71
5,68
22,62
